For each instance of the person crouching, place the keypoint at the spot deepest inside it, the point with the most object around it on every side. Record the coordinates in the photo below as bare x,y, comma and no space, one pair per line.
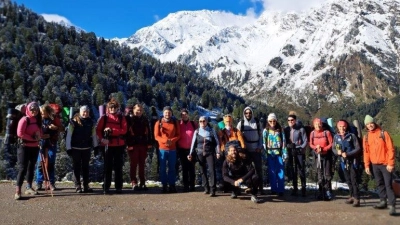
237,170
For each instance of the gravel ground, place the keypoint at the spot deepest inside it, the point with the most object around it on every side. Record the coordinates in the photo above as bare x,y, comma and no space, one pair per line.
152,207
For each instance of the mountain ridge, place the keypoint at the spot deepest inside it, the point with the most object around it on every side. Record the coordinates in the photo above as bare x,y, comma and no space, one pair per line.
289,56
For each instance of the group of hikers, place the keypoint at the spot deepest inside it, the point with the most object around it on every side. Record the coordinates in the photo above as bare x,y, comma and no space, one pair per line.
230,156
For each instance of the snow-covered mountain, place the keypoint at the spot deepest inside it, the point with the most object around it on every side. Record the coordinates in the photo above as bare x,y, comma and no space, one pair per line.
341,49
60,20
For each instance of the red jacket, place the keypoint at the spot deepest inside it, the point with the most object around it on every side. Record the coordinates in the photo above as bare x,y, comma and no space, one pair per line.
377,150
118,126
323,139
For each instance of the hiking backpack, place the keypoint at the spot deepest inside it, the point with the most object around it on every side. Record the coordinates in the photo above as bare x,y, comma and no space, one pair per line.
258,129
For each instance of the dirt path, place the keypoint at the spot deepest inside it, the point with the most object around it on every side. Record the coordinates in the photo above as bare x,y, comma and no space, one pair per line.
67,207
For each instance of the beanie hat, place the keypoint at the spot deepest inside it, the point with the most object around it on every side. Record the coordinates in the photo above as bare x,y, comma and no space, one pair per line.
368,119
83,109
167,108
272,116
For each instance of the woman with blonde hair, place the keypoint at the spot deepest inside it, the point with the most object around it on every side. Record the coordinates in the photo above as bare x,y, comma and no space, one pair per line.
81,137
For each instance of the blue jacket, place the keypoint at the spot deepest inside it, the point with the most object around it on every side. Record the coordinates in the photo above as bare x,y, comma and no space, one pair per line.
347,143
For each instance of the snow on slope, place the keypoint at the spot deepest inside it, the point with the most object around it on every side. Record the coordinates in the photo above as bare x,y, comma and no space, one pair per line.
217,42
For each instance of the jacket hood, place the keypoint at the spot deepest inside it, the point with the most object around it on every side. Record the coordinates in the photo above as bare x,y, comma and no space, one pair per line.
251,110
31,105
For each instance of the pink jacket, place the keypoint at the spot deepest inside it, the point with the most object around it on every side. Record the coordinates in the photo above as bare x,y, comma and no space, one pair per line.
186,131
27,132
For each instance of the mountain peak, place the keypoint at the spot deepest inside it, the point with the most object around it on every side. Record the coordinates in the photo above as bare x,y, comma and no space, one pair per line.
327,51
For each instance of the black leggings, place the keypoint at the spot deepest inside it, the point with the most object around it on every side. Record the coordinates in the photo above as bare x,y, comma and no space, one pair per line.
80,161
27,157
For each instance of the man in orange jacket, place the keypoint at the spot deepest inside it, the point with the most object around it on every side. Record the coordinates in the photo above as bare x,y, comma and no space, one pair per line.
379,150
167,133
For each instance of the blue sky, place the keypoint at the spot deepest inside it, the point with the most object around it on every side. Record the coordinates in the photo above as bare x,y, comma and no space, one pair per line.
122,18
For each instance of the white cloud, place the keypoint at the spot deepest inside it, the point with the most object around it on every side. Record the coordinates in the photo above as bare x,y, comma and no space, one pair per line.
289,5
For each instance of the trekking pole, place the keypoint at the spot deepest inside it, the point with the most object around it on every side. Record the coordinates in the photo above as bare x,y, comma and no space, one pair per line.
106,133
318,167
45,171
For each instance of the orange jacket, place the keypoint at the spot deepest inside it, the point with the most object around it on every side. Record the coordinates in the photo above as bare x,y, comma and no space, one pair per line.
377,150
168,131
235,134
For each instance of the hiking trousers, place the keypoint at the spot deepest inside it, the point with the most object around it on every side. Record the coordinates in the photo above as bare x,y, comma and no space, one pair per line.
384,181
80,162
137,158
50,156
27,157
114,159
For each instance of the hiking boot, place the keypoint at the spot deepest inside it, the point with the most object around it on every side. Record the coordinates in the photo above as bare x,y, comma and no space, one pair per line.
53,187
172,189
254,199
87,189
247,190
392,210
39,186
106,191
349,200
164,189
30,191
233,195
261,192
303,192
206,191
280,194
192,189
135,187
328,196
118,191
143,187
294,193
381,205
78,189
17,196
212,194
356,203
